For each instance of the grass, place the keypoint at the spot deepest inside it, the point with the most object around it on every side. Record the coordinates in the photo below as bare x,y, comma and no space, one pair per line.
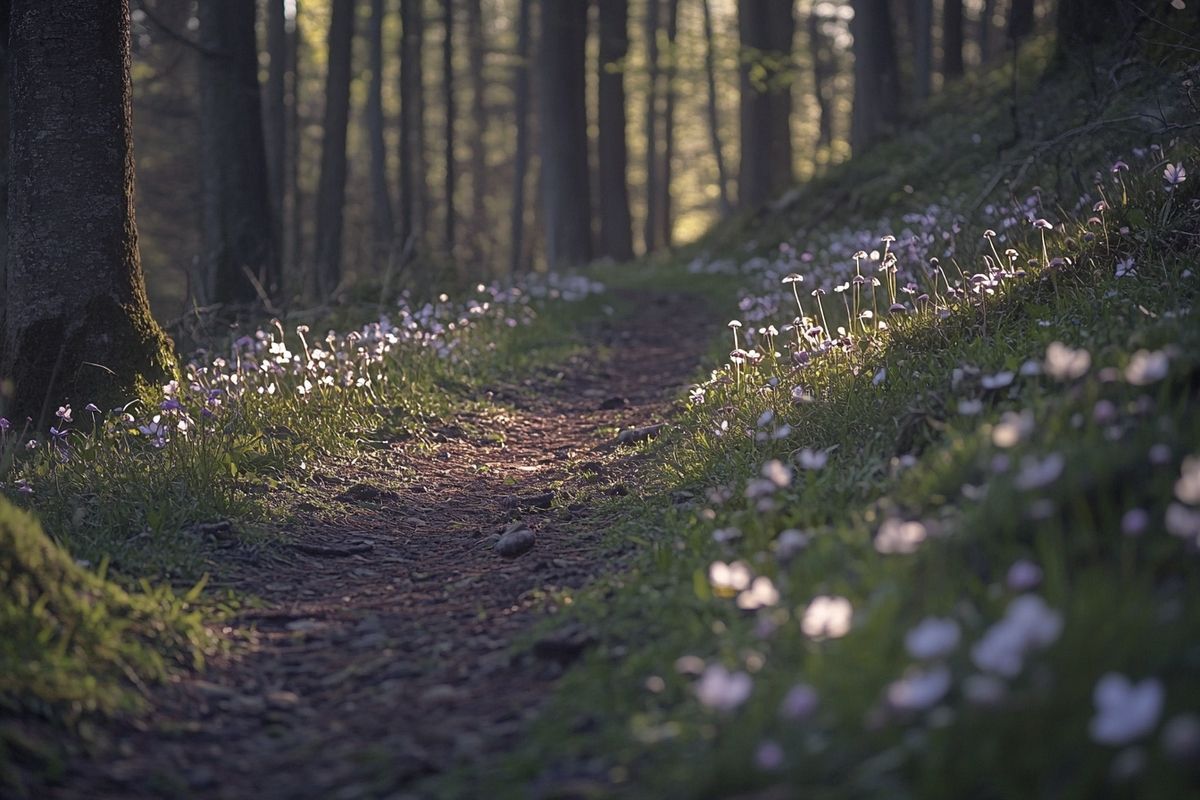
957,480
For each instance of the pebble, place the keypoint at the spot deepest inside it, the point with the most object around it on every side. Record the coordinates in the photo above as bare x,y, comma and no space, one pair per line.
515,543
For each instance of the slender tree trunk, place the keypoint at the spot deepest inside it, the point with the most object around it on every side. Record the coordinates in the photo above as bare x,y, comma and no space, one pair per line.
877,99
412,125
275,118
565,192
986,31
650,227
240,256
382,223
521,154
822,80
297,262
714,117
451,113
765,28
616,226
480,227
331,188
922,25
952,38
1020,20
78,324
670,75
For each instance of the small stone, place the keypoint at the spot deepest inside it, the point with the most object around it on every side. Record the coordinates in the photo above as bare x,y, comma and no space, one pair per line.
282,700
441,695
515,543
613,403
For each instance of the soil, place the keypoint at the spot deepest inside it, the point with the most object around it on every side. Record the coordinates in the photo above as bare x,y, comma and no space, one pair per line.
392,639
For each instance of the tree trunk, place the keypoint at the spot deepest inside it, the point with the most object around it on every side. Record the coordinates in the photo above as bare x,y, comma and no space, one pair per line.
714,118
952,39
382,222
78,325
1083,24
240,257
922,30
565,192
670,75
1020,20
413,191
822,80
297,261
331,187
4,72
877,100
448,106
616,226
650,226
275,119
480,229
765,28
521,154
986,51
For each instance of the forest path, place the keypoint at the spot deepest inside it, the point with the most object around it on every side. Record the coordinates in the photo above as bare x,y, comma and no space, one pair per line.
382,651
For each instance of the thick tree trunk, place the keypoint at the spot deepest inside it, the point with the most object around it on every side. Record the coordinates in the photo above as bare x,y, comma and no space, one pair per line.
565,193
78,325
877,99
952,38
1020,20
650,225
331,188
382,222
275,119
922,35
765,28
480,229
451,113
240,257
714,117
822,80
616,226
986,49
521,155
670,74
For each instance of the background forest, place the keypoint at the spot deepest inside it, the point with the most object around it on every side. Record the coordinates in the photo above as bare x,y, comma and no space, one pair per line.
433,119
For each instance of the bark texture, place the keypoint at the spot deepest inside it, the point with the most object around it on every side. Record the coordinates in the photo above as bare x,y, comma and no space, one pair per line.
331,188
877,100
616,226
565,185
765,28
78,325
239,248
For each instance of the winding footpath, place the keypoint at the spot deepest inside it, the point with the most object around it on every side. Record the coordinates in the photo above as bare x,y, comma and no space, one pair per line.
382,651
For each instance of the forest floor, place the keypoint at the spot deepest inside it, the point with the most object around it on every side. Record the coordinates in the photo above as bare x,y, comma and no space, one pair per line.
381,648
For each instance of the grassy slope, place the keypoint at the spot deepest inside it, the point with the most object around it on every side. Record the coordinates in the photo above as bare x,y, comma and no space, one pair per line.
920,444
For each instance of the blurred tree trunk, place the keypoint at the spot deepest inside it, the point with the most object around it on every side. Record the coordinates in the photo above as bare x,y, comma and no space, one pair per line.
1083,24
650,225
298,257
766,28
714,118
275,119
521,154
480,228
986,31
4,16
451,113
616,225
952,38
822,80
877,100
413,192
565,193
922,36
331,187
382,222
670,74
1020,20
240,256
78,325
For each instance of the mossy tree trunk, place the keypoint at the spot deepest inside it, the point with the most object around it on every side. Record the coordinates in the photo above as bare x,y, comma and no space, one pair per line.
78,324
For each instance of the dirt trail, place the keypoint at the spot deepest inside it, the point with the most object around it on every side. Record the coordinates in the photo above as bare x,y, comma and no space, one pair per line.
383,654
